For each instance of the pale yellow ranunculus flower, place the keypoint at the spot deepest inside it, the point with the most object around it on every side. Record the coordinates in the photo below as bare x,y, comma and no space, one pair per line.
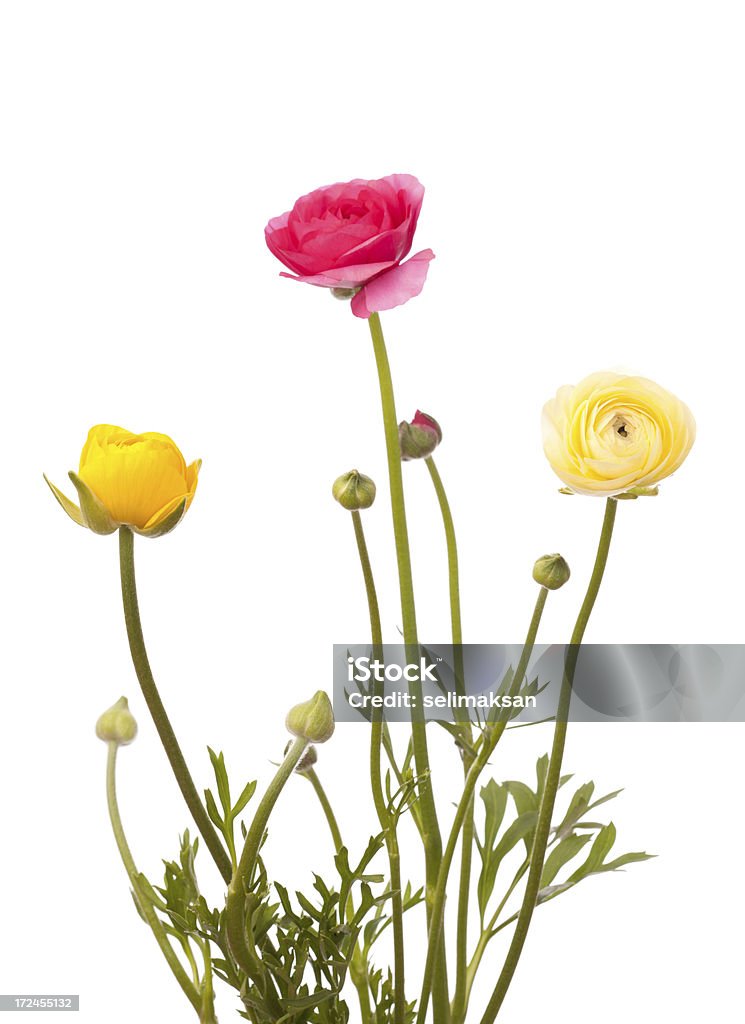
612,433
125,479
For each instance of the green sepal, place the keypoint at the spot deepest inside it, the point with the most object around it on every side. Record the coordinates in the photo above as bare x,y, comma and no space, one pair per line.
566,490
169,523
92,509
69,506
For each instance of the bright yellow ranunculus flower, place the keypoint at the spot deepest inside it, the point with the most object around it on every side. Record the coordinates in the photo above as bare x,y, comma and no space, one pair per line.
612,433
126,479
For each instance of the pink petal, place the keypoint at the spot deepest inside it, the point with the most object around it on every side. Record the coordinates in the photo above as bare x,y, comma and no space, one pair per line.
394,287
342,277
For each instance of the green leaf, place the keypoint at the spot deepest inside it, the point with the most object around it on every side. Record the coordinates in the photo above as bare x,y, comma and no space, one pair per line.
525,799
221,777
213,811
521,828
600,848
248,792
577,807
494,798
626,858
566,850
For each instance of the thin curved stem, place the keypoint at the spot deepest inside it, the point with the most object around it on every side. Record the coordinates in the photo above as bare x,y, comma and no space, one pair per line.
158,711
235,908
357,967
492,735
187,986
430,832
453,574
553,776
386,817
466,857
328,811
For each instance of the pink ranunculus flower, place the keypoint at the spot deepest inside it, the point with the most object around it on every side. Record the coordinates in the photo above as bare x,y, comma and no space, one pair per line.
354,236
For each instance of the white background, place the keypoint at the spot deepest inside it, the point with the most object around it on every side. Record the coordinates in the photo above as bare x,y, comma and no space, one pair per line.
584,166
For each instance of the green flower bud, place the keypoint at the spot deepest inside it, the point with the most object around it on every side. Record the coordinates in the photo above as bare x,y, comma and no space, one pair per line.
313,720
308,759
354,491
551,572
419,438
117,725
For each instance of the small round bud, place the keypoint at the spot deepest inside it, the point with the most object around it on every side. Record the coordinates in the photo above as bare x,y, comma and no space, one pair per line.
308,759
117,725
551,572
354,491
419,438
313,720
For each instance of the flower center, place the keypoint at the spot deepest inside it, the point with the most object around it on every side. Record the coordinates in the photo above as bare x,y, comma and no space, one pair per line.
621,427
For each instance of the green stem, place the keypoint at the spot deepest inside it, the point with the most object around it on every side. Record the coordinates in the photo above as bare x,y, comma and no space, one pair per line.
235,908
208,992
386,816
453,574
328,811
357,967
430,833
143,903
548,799
491,737
466,858
488,933
156,708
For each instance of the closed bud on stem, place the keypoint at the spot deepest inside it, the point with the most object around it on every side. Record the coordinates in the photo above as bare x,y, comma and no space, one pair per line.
551,572
307,761
419,438
117,725
354,491
312,720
